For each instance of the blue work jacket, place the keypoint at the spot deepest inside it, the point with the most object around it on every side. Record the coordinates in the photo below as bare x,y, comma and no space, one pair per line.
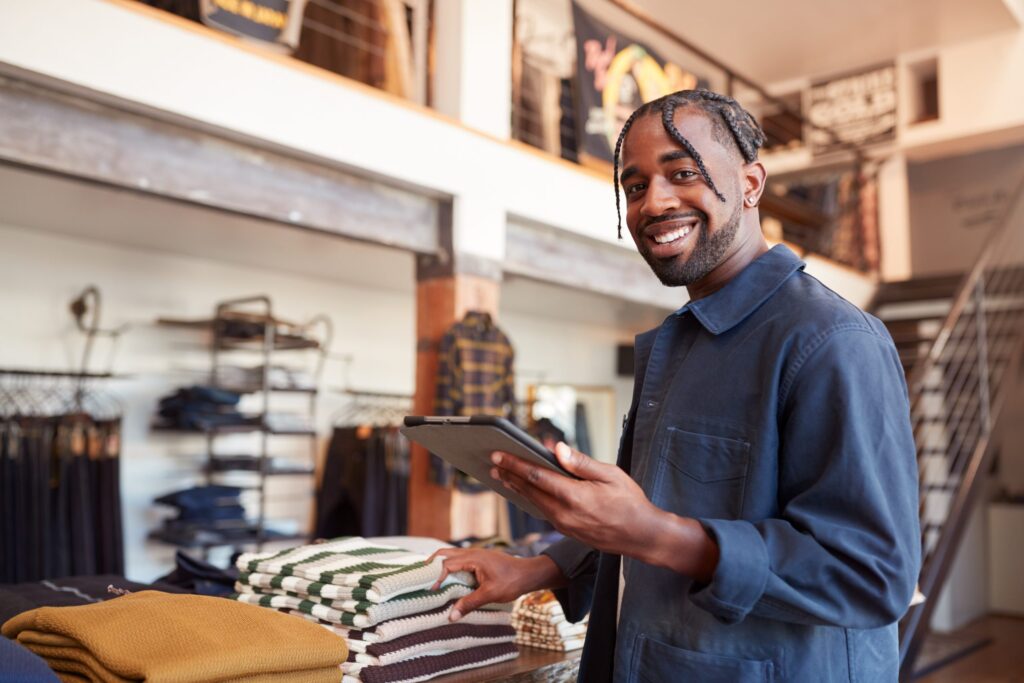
775,413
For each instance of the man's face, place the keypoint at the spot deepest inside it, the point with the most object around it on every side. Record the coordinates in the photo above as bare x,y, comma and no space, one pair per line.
681,228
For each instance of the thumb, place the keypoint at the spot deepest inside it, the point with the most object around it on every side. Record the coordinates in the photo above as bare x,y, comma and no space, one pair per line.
583,466
467,604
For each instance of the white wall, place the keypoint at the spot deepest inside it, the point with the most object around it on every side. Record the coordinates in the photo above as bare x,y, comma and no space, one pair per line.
41,271
965,596
979,91
548,351
955,203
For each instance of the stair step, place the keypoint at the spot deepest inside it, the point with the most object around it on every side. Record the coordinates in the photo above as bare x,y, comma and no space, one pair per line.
919,289
947,486
913,314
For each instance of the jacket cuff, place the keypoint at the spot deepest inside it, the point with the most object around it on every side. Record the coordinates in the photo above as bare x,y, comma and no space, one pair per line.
741,575
578,563
572,557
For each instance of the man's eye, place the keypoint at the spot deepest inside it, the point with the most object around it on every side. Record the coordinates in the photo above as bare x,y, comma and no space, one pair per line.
683,174
633,189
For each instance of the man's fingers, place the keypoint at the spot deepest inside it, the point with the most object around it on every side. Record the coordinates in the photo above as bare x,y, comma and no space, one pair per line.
583,466
467,604
442,552
454,564
547,503
536,477
444,575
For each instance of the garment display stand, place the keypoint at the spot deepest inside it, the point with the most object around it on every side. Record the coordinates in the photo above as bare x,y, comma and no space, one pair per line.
248,326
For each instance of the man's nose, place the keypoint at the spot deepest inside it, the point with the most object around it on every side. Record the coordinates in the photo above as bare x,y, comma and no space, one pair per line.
659,198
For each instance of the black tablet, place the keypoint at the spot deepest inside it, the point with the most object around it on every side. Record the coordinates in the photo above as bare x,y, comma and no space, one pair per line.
467,443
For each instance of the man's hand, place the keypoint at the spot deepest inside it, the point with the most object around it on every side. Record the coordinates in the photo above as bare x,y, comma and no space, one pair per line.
608,511
500,577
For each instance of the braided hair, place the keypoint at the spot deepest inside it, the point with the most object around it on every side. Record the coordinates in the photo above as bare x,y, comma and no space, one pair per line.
731,124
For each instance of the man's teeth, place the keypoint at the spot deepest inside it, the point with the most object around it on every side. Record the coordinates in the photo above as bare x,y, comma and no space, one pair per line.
672,236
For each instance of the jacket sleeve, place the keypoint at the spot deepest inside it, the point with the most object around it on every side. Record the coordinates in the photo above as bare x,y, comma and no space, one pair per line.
578,562
448,398
844,549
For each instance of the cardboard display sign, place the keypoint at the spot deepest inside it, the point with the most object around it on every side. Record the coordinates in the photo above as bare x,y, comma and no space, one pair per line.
859,108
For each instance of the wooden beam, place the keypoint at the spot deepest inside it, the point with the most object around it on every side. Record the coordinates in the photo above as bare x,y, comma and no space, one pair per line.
550,255
72,135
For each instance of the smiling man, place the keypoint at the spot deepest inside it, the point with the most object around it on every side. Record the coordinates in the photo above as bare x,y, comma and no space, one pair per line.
762,522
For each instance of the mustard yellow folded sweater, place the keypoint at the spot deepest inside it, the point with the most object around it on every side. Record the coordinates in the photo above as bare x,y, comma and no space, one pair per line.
165,638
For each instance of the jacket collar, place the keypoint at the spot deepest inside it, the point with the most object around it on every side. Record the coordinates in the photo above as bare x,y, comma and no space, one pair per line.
741,296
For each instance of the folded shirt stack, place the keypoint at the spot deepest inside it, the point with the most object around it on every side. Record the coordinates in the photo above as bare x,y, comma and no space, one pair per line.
540,622
155,636
379,599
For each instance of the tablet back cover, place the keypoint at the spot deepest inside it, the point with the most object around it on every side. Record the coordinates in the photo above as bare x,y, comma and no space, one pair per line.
468,448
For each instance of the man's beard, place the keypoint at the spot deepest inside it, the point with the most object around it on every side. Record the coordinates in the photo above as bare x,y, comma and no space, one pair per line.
708,253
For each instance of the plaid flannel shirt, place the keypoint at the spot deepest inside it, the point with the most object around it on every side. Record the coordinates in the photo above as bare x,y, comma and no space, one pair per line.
475,377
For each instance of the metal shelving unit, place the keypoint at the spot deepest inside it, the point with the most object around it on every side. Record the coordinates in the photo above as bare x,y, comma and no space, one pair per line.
269,341
248,326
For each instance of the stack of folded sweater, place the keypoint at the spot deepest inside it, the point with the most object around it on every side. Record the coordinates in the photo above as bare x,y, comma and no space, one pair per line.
157,636
540,622
379,599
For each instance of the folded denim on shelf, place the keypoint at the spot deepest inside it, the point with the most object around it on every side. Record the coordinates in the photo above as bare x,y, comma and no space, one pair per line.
205,502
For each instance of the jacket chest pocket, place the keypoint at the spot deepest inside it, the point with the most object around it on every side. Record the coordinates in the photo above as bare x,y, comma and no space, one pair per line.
701,475
656,662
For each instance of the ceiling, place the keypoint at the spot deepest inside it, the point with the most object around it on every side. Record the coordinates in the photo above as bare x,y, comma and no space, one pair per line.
781,40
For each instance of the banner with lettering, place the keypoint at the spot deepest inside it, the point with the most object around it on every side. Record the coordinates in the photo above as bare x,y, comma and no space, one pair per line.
615,74
858,109
276,22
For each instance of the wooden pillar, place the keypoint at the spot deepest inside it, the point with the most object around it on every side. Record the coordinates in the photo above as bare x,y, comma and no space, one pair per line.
446,288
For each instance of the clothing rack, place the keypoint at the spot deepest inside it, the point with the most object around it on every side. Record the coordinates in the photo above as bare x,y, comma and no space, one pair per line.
372,408
364,485
60,442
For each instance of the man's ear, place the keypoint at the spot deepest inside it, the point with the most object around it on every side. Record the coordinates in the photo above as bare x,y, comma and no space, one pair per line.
754,179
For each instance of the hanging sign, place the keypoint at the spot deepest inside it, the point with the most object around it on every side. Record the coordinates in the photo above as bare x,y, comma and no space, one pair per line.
615,74
276,22
859,109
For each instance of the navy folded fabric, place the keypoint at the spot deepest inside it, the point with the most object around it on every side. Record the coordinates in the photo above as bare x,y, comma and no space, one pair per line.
202,578
18,665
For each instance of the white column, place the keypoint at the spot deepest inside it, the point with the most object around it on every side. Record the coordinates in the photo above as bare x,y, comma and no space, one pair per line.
473,67
894,219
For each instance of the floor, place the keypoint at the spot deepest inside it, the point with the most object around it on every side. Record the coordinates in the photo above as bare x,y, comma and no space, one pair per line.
1000,661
